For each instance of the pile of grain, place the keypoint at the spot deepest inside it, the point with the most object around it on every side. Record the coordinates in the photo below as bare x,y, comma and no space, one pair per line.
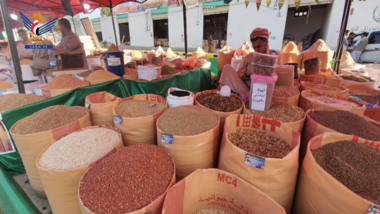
333,101
49,118
362,89
281,111
217,102
12,101
138,108
373,113
347,123
353,164
65,81
260,143
79,149
187,121
285,91
167,70
128,180
212,211
372,99
4,85
85,73
101,76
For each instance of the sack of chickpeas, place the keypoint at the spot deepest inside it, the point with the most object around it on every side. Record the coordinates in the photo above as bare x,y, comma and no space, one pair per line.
101,105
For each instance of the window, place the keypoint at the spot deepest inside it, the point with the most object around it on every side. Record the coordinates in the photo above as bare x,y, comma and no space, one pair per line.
374,38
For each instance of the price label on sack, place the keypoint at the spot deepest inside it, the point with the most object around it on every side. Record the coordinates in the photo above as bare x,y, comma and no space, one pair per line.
113,61
255,161
373,209
167,138
117,119
6,143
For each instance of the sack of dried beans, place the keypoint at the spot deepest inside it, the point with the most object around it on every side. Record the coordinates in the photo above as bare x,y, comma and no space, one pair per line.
258,149
323,87
286,94
35,132
136,118
340,174
191,135
62,84
101,105
208,191
62,164
321,79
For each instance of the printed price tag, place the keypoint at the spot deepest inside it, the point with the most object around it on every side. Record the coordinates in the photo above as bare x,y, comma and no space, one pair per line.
37,91
117,120
167,138
113,61
254,161
259,96
373,209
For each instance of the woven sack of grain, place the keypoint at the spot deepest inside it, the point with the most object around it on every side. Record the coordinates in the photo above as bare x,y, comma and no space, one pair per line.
276,177
224,57
30,145
213,189
101,105
61,182
286,95
321,78
62,84
319,192
323,87
139,130
101,76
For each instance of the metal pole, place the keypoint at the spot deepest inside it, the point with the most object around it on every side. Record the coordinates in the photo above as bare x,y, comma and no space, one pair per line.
12,45
72,18
184,26
113,24
343,27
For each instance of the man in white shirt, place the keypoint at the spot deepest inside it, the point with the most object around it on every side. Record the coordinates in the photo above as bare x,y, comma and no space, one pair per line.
22,52
359,47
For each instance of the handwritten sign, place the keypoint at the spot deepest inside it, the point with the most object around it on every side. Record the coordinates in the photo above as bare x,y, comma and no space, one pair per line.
259,96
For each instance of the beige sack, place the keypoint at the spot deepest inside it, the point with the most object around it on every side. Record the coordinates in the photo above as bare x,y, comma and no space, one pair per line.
294,100
278,177
224,57
101,105
286,58
323,87
321,79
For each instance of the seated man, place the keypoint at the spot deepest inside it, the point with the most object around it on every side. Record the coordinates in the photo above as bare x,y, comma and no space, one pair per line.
70,41
22,52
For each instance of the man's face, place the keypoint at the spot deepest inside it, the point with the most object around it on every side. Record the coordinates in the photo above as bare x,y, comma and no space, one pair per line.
260,45
23,36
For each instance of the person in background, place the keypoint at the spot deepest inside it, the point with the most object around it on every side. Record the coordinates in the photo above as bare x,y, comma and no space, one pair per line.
40,62
22,52
350,39
209,42
70,41
359,47
346,42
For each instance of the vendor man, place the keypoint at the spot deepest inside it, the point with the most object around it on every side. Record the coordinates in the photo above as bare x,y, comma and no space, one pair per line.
24,40
239,81
70,41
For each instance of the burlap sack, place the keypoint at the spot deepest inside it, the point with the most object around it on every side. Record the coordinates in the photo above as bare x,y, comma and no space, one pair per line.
139,130
214,188
293,100
321,79
333,89
278,177
101,105
307,104
30,145
286,58
61,186
319,192
224,57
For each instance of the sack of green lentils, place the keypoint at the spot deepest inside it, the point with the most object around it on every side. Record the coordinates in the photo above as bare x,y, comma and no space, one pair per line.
216,191
35,132
136,118
340,174
264,152
62,164
101,105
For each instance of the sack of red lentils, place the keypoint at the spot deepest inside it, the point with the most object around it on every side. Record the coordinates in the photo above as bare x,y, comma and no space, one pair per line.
101,105
217,191
136,118
62,164
339,175
264,152
35,132
321,79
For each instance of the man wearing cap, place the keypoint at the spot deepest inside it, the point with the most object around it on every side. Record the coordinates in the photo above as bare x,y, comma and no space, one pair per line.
239,81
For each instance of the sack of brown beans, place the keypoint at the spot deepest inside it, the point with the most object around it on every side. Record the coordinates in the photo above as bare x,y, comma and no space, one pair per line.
325,100
321,78
191,135
285,75
214,191
223,106
259,149
62,84
64,162
340,174
323,87
35,132
286,94
136,118
101,105
135,179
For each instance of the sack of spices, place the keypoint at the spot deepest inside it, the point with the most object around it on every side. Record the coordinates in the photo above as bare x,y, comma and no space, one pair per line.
64,162
62,84
340,174
321,78
35,132
217,191
135,179
101,105
258,149
136,118
323,87
224,57
285,75
191,135
286,94
179,97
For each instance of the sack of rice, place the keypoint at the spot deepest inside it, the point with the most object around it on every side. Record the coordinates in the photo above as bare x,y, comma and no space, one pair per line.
65,161
224,57
258,149
321,50
290,54
199,53
340,174
33,133
136,117
323,87
191,135
215,191
101,105
135,179
286,94
179,97
101,76
62,84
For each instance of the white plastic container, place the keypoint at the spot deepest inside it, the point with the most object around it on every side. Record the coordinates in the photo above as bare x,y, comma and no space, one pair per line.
176,101
262,87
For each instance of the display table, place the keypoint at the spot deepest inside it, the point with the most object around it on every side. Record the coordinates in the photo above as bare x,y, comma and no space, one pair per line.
12,197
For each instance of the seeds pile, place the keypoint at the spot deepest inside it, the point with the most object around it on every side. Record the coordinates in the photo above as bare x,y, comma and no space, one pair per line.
333,101
281,111
49,118
79,149
260,143
101,76
187,120
167,70
12,101
372,99
217,102
360,88
353,164
128,180
65,81
212,211
323,87
347,123
285,91
138,108
373,113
